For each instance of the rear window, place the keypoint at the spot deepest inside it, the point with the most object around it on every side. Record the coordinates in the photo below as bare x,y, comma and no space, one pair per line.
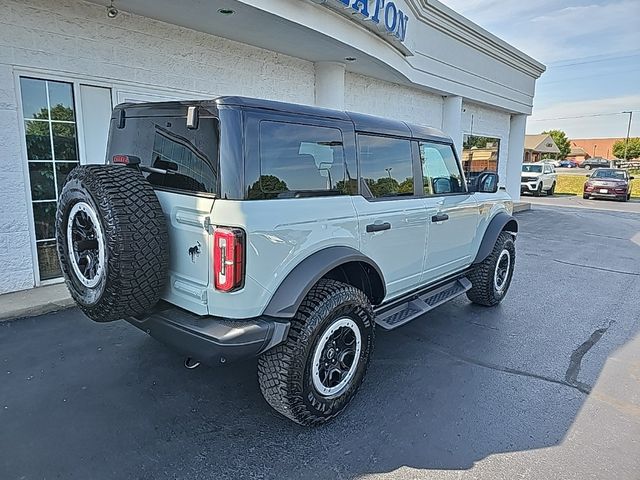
301,161
185,159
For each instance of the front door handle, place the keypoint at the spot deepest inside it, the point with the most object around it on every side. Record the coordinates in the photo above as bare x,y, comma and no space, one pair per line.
378,227
441,217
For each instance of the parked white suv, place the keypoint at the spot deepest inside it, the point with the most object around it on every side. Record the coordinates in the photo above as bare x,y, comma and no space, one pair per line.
537,178
236,227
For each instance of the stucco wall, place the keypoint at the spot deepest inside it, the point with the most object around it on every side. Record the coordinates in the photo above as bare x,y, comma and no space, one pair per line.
484,121
377,97
76,39
16,267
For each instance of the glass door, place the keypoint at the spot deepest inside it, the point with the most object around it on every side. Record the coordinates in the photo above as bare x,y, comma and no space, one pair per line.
52,152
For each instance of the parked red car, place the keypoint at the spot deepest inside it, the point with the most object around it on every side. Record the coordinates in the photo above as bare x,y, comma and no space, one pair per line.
608,183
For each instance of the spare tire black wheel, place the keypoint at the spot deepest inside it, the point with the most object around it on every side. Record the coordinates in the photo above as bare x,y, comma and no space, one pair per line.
112,241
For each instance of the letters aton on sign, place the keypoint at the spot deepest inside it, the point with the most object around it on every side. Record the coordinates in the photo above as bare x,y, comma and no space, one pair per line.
385,11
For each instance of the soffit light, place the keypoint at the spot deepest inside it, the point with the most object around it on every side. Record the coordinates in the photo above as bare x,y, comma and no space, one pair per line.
112,12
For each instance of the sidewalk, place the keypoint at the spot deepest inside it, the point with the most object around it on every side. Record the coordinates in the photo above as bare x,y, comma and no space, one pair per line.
36,301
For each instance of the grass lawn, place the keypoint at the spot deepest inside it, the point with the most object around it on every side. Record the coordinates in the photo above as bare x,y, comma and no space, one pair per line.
573,184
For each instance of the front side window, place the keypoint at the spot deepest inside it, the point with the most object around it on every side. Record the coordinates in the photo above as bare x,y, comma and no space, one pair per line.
440,171
52,152
386,166
301,161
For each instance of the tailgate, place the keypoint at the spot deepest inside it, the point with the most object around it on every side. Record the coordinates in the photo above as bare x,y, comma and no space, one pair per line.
189,250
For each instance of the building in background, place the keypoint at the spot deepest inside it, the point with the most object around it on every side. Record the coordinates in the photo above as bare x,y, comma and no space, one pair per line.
64,64
578,155
596,147
538,146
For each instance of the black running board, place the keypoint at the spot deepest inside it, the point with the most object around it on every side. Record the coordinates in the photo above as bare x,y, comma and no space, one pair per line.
398,315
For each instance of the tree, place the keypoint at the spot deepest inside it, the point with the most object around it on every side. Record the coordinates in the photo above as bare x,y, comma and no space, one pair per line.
633,149
268,186
561,140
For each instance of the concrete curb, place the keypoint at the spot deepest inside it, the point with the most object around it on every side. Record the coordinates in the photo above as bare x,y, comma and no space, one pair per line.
520,207
34,302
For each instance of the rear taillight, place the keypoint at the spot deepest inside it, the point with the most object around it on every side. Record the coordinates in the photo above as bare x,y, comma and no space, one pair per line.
228,258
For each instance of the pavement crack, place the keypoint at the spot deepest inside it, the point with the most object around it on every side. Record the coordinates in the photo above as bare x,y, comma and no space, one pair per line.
575,362
492,366
604,236
622,272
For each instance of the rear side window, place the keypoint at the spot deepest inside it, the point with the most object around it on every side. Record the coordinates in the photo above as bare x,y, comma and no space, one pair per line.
386,166
440,171
301,161
185,159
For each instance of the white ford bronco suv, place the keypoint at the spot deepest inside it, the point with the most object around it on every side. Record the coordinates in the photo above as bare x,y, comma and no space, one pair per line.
237,228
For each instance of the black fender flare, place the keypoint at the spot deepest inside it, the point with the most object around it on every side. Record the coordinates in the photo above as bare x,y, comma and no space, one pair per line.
502,221
289,295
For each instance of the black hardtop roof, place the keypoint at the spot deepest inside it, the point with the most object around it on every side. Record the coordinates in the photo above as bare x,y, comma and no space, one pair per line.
361,121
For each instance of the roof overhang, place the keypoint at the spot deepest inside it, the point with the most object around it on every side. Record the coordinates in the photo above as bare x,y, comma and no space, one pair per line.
441,51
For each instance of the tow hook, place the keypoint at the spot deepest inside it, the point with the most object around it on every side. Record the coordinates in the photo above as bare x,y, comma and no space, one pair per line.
190,363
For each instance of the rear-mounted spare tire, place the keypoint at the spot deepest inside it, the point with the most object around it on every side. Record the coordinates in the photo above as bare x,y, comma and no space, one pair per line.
112,241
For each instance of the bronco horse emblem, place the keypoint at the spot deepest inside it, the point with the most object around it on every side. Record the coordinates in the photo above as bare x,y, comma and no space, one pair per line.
194,252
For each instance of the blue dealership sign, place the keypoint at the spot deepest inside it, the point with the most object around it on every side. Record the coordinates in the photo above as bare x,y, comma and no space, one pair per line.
381,11
383,17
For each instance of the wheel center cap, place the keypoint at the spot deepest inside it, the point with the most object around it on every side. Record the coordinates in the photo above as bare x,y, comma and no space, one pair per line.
331,353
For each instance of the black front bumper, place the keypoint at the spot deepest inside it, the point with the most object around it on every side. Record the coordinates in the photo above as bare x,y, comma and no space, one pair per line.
212,340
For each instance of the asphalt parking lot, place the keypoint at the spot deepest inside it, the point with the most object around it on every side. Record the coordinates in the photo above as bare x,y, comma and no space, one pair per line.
547,385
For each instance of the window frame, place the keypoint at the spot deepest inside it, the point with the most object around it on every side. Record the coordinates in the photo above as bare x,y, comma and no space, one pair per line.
458,164
414,168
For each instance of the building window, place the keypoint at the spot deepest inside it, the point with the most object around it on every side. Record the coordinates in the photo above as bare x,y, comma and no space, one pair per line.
386,166
480,154
52,152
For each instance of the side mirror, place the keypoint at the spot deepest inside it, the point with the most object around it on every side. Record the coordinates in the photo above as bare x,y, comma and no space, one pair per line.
487,182
632,178
588,175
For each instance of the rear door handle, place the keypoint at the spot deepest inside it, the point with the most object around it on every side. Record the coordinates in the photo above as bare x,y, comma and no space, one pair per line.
441,217
378,227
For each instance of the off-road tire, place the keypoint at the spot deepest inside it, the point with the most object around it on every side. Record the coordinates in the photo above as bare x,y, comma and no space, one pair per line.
552,190
135,238
483,291
285,372
585,196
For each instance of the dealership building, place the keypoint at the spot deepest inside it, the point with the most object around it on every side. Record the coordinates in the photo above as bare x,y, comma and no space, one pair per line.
64,64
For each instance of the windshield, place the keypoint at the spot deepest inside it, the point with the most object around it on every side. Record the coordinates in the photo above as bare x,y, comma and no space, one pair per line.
607,173
185,159
532,168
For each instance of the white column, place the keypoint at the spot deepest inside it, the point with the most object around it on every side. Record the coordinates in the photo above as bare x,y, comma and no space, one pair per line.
330,85
452,120
515,155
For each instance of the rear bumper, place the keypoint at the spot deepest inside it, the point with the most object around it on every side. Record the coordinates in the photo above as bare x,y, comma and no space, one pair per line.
212,340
